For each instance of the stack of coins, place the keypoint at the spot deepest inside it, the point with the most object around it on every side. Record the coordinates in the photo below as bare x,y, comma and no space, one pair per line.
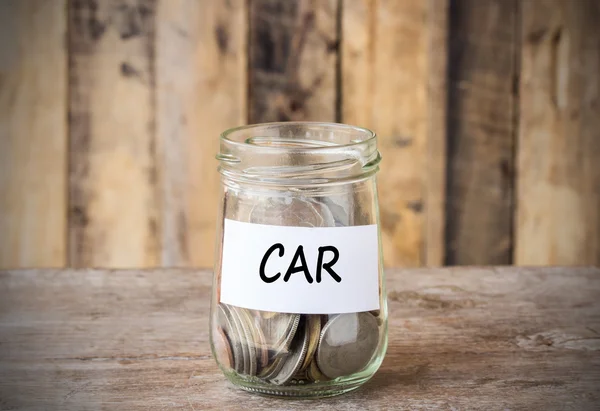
284,349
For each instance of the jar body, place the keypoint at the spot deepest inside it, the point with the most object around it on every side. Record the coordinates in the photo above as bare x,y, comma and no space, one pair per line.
281,321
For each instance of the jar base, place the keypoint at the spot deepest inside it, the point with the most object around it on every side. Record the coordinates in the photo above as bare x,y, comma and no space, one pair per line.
300,391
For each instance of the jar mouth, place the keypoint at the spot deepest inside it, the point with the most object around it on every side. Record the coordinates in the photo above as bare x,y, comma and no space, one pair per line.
298,153
301,135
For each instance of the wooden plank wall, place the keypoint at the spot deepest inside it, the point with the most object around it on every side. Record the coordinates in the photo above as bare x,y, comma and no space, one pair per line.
481,130
33,133
558,183
487,113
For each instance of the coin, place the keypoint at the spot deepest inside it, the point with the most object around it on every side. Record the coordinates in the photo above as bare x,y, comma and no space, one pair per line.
223,348
268,314
248,350
279,332
337,214
314,373
347,343
324,212
258,339
225,319
313,329
272,369
293,362
287,211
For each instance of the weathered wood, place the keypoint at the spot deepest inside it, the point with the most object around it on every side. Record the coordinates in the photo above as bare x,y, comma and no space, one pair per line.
113,211
481,130
385,78
33,133
460,338
201,91
293,55
558,201
435,244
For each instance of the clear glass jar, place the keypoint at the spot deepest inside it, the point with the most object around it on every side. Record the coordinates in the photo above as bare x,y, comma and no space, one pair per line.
298,304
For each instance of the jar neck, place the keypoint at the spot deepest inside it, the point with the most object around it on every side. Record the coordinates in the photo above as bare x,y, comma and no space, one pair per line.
298,154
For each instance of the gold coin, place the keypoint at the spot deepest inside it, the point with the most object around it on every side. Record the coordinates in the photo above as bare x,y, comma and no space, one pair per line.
267,314
313,329
314,373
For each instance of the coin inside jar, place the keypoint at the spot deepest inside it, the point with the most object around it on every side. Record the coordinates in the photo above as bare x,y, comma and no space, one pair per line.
347,343
258,339
248,344
314,373
279,332
293,362
287,211
223,348
313,329
225,319
243,362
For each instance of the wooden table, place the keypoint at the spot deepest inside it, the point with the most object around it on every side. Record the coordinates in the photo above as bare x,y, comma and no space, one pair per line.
460,338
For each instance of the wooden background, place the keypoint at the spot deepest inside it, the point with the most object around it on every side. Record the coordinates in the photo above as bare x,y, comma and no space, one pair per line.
488,115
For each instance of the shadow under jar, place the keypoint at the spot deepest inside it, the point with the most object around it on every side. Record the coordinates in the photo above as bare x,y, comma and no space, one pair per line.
298,304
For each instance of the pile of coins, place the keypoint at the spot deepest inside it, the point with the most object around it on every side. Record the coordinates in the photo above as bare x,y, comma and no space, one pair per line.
283,349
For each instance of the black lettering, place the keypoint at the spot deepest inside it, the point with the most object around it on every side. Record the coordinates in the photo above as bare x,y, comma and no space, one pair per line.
263,263
303,266
327,266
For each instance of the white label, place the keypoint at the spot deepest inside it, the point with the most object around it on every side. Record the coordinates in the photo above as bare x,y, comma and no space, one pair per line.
304,270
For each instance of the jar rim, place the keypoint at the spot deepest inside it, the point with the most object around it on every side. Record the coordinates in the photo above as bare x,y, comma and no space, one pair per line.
298,153
371,136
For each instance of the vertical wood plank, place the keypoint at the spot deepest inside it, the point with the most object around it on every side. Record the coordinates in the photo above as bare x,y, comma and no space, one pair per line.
385,69
33,133
558,208
293,58
435,245
481,131
113,213
201,91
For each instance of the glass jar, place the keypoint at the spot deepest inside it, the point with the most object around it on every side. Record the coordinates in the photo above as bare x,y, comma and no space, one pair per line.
298,304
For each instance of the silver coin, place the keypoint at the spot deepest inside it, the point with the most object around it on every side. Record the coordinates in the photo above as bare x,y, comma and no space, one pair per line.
279,331
294,361
339,210
272,369
347,344
287,211
248,345
244,337
262,351
325,213
230,327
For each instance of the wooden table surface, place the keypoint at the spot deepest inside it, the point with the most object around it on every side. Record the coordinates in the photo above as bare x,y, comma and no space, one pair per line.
460,338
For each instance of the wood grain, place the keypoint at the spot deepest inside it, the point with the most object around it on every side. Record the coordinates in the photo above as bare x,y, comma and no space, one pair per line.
33,133
385,63
481,131
435,204
293,51
558,201
113,211
201,91
460,338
